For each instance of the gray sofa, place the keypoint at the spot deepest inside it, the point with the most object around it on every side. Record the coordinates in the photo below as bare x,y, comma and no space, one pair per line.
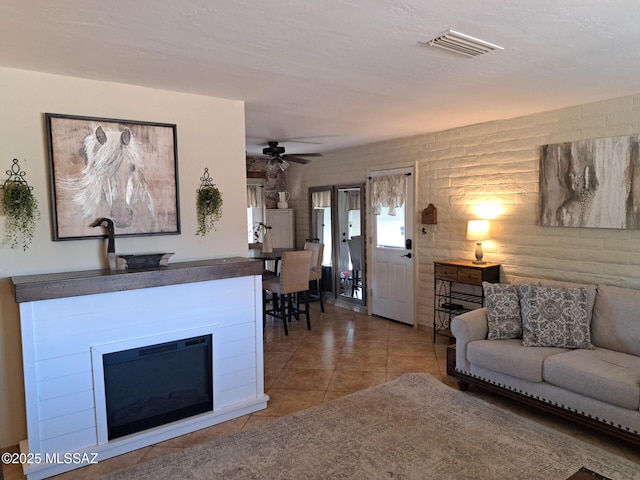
594,380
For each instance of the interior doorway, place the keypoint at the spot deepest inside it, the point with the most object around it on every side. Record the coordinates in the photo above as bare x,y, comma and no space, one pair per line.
337,220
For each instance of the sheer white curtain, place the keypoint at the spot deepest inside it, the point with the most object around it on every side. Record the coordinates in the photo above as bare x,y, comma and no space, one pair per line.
321,199
353,200
388,191
253,196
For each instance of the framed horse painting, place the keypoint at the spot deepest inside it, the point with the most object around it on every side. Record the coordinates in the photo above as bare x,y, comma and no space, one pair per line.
124,170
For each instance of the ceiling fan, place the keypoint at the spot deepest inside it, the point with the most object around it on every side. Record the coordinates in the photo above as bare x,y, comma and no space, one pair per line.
278,157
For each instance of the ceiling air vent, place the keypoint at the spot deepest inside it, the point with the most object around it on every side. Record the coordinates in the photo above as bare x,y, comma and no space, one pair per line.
462,44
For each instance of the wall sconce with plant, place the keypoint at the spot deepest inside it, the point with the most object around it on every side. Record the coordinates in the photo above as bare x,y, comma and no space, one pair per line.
208,204
20,207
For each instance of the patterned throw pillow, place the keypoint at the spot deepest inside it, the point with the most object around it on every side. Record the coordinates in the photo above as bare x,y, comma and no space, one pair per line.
503,311
554,317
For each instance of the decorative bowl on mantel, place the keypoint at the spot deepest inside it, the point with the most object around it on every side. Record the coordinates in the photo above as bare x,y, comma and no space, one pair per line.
142,260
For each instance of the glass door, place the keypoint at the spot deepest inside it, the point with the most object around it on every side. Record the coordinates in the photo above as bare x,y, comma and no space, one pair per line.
256,211
350,254
320,201
336,219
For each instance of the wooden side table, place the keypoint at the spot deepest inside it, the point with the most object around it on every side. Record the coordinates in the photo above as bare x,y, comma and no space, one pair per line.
458,289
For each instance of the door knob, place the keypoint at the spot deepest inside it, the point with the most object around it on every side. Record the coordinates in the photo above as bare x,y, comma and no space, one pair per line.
408,255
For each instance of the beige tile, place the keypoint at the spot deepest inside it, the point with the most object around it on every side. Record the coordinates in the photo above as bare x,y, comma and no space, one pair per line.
284,401
274,362
370,346
278,343
314,359
408,348
400,331
255,420
413,364
367,336
334,394
12,472
302,379
371,361
352,381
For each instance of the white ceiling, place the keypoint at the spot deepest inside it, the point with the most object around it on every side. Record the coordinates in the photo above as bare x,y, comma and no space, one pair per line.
327,74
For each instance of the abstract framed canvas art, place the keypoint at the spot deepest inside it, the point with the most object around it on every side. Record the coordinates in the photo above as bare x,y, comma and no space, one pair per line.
119,169
591,183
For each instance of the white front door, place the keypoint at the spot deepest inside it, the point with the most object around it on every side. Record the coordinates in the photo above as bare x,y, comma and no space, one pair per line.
392,257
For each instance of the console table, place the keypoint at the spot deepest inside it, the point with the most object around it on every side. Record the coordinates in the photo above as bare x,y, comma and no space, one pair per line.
458,289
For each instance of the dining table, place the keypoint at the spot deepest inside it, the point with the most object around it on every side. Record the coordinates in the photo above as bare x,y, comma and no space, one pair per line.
274,256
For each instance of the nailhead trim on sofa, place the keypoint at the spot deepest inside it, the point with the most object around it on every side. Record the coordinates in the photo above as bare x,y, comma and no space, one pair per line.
605,425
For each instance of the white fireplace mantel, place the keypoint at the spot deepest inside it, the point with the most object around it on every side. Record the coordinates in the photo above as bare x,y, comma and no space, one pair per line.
64,316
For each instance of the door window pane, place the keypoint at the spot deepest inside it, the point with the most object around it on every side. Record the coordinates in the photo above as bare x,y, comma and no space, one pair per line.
390,231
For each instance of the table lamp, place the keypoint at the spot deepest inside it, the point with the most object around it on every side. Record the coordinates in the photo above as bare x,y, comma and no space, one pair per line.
478,231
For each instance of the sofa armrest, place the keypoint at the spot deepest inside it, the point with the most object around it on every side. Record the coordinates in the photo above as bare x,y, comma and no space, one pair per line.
466,328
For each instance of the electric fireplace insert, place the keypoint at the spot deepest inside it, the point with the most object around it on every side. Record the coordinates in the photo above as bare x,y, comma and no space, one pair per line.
157,384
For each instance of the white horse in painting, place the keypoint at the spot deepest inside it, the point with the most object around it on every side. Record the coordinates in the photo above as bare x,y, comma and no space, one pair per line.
112,183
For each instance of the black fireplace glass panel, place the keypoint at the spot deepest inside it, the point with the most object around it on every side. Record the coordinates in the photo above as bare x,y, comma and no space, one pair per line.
157,384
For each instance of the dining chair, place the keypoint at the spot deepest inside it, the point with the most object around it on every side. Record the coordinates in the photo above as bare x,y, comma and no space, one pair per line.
315,272
266,272
355,251
293,279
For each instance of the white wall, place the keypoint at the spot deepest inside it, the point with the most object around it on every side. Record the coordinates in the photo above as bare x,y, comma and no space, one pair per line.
496,163
210,133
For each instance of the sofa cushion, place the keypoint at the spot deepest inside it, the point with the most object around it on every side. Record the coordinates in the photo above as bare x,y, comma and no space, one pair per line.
616,319
510,357
605,375
592,289
554,317
503,311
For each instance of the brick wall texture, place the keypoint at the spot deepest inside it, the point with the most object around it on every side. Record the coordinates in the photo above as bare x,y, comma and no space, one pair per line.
464,170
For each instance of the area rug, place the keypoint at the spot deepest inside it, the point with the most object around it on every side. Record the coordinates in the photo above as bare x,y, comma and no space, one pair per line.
414,427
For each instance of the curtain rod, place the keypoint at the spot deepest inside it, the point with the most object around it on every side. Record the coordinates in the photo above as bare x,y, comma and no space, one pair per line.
406,175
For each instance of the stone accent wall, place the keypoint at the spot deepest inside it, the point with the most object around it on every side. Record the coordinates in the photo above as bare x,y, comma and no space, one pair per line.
276,180
496,163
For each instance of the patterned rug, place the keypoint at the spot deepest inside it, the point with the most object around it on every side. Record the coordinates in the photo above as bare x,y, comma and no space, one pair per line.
414,427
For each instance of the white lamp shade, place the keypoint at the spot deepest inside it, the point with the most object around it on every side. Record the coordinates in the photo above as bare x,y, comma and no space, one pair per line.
478,230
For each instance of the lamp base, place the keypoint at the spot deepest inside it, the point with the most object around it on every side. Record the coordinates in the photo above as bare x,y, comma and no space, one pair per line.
479,254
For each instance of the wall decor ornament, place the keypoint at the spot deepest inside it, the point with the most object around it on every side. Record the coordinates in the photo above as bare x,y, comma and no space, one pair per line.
20,207
208,204
591,183
120,169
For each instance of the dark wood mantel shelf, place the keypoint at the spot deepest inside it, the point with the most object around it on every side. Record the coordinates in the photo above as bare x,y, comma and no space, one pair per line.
30,288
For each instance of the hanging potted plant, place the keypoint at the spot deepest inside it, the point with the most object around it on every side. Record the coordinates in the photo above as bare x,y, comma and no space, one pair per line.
21,209
208,205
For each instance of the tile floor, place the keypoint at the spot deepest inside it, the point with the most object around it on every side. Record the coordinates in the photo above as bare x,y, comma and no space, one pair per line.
344,352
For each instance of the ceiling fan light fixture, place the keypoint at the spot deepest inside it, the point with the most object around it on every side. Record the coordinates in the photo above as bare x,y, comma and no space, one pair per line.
277,156
463,44
283,164
273,149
